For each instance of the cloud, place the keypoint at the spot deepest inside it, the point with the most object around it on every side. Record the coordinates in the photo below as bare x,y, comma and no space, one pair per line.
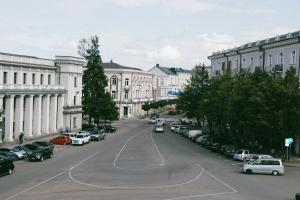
134,3
164,53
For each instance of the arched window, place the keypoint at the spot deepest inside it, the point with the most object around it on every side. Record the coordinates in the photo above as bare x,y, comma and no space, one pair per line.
281,58
293,58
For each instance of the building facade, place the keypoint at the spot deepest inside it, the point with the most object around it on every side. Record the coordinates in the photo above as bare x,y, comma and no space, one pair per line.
277,53
39,96
170,81
130,88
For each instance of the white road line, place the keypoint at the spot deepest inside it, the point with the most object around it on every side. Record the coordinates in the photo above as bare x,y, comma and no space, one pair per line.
136,187
163,161
220,181
200,195
34,186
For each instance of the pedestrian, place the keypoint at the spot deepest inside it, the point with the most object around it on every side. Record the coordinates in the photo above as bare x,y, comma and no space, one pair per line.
21,137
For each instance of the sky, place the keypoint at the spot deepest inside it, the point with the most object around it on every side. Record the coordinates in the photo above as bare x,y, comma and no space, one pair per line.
142,33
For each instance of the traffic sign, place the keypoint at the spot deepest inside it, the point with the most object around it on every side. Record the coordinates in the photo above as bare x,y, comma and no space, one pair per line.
288,141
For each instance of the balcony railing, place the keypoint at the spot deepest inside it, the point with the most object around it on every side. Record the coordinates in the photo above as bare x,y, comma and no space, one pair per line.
7,87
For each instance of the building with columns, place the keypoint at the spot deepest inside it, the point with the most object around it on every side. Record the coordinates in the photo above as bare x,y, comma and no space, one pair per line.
130,88
170,81
39,96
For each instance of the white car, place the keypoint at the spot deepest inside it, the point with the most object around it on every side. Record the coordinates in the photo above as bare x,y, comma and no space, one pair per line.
161,121
152,121
159,129
86,133
80,139
194,133
242,155
264,166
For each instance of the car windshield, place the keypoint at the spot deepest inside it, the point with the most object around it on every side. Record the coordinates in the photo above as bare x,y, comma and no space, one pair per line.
79,136
239,152
31,147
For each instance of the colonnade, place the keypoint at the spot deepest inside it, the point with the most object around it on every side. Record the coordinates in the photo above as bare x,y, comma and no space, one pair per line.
32,114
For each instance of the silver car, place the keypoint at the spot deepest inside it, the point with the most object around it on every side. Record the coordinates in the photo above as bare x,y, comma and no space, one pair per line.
18,151
242,155
264,166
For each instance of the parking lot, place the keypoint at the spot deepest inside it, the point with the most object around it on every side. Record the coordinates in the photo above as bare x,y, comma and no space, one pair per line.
137,163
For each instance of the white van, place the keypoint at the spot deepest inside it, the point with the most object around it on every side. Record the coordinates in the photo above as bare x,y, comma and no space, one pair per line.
264,166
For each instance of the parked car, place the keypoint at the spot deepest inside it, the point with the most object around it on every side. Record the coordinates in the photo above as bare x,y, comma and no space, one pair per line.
194,133
229,150
80,139
186,121
71,135
259,156
98,135
173,125
182,130
200,138
9,155
264,166
86,133
159,129
6,165
109,128
61,139
37,152
172,111
154,115
242,155
215,147
45,144
152,121
17,151
177,128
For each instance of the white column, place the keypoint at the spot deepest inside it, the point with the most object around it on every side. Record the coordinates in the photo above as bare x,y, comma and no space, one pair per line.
1,117
53,113
19,115
60,108
37,115
45,113
28,116
9,118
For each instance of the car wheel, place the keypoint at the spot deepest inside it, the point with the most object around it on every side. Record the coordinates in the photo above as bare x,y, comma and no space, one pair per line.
275,173
248,171
10,171
42,158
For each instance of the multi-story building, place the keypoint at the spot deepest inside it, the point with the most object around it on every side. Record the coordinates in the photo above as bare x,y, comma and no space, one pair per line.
170,81
277,53
39,96
130,88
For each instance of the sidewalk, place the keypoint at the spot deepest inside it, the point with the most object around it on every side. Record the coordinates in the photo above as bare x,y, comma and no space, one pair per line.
29,140
293,162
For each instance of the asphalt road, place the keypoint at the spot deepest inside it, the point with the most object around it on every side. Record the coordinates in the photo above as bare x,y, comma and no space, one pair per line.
137,164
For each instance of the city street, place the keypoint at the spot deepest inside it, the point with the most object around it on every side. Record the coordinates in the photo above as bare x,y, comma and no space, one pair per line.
136,163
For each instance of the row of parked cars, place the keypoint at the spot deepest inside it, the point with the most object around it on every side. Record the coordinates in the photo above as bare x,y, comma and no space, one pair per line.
254,163
41,150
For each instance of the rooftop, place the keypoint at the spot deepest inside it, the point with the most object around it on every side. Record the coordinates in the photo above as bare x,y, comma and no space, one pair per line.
112,65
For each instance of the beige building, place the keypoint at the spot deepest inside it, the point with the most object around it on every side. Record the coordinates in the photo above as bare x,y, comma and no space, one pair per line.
39,96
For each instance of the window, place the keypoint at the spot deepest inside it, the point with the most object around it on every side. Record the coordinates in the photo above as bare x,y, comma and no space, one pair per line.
15,77
75,81
126,95
114,81
74,122
4,77
24,78
260,61
293,58
42,79
49,79
33,79
281,58
74,100
126,81
237,64
113,94
270,59
251,62
244,62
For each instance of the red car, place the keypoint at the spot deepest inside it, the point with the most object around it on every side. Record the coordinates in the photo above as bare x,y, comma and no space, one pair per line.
62,139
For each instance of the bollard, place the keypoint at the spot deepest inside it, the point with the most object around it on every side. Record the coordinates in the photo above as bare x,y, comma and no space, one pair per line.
297,196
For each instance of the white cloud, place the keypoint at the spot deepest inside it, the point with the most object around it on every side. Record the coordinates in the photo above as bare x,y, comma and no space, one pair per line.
165,53
134,3
187,6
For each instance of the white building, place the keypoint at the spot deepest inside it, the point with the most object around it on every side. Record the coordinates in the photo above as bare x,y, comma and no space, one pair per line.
130,88
39,96
170,81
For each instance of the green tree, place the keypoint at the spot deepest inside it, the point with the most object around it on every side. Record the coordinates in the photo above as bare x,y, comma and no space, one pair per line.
146,107
97,104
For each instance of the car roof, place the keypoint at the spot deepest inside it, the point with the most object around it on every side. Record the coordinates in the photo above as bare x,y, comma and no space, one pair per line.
277,159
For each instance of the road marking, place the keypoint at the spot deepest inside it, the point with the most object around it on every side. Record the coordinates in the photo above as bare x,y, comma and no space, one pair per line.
136,187
163,161
34,186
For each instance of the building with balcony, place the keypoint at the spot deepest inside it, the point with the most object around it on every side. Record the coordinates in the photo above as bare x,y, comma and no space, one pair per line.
39,96
130,88
170,81
277,53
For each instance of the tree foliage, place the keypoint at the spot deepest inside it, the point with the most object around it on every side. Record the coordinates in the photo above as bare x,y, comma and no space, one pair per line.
255,110
97,103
